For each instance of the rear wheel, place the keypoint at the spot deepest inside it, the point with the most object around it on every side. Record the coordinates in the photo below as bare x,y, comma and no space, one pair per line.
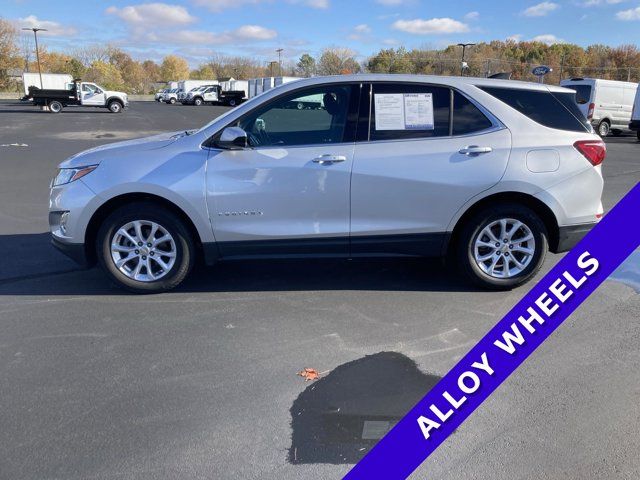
502,247
604,127
638,135
172,101
145,248
55,107
232,102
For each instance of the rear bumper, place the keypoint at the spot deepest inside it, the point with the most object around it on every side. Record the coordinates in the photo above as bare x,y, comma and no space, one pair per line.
634,125
569,236
75,251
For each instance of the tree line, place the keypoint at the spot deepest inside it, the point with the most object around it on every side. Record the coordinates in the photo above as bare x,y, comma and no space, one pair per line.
115,69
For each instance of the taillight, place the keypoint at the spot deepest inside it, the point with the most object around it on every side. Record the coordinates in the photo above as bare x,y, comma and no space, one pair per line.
593,150
592,107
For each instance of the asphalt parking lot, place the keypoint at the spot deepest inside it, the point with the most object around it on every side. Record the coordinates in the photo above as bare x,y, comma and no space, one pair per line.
201,383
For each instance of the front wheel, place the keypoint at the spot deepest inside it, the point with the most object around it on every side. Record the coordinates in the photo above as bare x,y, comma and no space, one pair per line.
145,248
115,106
197,102
502,247
172,101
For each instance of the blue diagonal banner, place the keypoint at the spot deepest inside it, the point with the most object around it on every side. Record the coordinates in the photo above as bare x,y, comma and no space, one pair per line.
506,346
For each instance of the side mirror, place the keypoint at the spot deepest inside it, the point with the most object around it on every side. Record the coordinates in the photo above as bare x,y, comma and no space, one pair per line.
232,138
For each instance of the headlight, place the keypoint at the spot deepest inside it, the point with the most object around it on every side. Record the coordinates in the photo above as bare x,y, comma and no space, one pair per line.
68,175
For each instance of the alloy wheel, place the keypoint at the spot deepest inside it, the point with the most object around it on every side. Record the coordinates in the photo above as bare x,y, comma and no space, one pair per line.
143,250
504,248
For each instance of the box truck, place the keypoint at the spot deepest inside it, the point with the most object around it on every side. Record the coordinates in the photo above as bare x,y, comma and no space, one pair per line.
51,81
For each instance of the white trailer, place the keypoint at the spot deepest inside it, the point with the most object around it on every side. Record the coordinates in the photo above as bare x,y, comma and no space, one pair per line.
267,83
282,80
238,86
50,81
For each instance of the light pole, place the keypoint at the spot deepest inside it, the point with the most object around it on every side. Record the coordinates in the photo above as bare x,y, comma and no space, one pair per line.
464,48
35,34
279,50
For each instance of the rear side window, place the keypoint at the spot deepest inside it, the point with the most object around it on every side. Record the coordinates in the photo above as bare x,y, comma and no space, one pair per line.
568,100
404,111
583,93
467,118
541,107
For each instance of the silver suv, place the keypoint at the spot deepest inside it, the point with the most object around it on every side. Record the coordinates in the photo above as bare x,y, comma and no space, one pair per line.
489,173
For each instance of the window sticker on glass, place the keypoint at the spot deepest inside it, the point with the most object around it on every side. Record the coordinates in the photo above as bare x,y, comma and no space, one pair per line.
408,111
389,111
418,111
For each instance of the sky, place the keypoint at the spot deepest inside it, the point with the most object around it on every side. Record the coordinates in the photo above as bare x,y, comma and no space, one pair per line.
198,29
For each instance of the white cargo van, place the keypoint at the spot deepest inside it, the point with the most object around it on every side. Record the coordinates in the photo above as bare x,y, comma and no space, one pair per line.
635,115
607,104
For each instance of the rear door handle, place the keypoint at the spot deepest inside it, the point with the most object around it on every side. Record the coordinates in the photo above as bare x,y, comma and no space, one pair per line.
328,159
474,150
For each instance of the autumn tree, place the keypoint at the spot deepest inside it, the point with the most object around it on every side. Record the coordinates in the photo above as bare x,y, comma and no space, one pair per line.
338,61
8,51
174,68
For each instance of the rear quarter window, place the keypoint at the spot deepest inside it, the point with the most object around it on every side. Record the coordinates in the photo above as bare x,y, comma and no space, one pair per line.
542,107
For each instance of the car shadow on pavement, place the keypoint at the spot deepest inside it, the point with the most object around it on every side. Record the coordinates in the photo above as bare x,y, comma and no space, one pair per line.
340,417
34,267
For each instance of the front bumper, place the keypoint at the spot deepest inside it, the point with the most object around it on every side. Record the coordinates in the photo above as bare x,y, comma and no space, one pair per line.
634,125
569,236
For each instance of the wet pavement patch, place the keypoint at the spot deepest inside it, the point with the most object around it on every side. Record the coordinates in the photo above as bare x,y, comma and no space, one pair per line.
629,272
338,418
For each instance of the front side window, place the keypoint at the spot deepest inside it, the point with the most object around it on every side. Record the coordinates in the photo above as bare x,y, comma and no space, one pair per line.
404,111
313,116
86,88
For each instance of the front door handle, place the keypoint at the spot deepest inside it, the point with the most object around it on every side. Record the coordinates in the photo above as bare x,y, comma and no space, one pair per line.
474,150
328,159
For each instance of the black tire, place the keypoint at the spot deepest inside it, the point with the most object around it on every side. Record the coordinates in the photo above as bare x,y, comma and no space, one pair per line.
197,101
185,250
232,102
172,101
638,135
300,106
464,248
115,106
604,128
55,107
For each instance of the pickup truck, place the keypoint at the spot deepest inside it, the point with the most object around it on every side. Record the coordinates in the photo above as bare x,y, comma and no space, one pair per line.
214,94
79,93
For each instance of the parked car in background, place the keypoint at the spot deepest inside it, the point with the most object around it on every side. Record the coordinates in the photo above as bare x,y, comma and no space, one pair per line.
213,94
634,124
160,94
185,86
490,174
188,98
79,93
171,96
50,81
607,104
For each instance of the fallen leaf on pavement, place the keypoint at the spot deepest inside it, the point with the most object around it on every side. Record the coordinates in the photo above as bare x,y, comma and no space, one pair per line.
309,374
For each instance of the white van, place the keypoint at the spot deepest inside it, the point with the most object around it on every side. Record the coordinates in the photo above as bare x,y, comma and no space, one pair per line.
607,104
635,115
